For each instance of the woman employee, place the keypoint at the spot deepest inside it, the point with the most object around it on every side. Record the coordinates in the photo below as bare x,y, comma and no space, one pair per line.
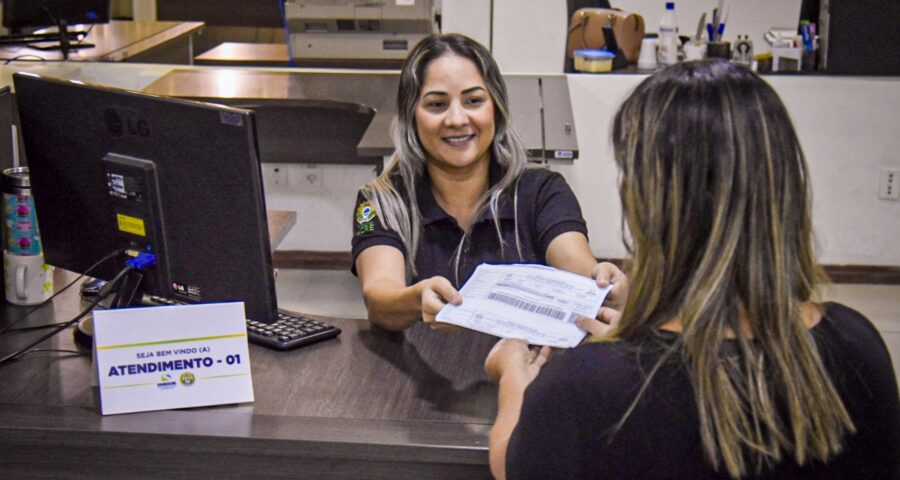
721,365
458,192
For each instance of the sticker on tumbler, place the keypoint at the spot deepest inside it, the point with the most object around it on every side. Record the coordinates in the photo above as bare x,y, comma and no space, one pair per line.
20,225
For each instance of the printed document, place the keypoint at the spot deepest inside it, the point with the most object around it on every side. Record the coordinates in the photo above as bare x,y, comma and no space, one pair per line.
532,302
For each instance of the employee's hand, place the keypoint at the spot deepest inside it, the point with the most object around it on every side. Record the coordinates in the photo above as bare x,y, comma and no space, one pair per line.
607,319
607,274
437,291
511,356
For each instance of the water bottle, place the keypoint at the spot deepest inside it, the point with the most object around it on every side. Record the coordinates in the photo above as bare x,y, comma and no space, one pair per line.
668,37
19,219
27,280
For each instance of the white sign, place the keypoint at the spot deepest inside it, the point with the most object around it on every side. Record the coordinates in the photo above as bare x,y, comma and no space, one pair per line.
157,358
537,303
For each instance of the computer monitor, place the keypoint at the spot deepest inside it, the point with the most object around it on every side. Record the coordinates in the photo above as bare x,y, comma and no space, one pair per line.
113,169
21,15
6,129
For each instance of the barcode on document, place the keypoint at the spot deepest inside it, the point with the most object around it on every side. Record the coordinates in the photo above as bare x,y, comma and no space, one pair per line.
528,306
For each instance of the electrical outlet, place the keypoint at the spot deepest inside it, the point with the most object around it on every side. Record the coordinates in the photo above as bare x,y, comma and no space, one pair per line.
278,175
889,184
309,177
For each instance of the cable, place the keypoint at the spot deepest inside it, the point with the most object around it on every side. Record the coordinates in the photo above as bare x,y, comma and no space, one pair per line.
56,350
73,282
20,58
36,327
84,36
105,292
287,33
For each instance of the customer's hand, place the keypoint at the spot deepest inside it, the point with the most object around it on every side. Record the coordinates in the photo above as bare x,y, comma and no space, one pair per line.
607,274
437,291
607,320
512,356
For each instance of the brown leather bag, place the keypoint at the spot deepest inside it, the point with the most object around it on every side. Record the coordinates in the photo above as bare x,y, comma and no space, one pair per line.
586,31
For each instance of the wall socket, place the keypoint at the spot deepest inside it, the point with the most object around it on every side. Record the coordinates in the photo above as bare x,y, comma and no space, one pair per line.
278,175
889,184
309,177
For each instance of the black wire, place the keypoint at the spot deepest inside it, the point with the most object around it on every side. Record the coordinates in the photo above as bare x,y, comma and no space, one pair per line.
73,282
105,292
36,58
56,350
84,37
36,327
287,34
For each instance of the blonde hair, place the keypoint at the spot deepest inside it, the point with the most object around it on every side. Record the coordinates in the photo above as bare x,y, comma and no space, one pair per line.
716,198
398,209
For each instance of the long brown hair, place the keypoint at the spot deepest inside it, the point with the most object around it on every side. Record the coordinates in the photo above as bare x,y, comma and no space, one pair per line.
715,193
399,210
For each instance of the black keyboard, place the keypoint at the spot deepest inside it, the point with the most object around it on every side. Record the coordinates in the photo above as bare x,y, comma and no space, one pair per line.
289,332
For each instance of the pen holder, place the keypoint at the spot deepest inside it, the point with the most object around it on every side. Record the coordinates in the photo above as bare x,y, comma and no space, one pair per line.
718,50
694,51
808,61
787,59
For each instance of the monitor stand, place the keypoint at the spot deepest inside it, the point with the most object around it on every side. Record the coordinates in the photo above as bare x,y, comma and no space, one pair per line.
62,40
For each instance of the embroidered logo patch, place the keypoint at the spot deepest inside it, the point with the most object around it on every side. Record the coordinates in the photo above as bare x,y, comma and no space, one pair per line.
365,218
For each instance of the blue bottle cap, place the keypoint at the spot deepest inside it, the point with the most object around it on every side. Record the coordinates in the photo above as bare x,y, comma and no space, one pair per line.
670,5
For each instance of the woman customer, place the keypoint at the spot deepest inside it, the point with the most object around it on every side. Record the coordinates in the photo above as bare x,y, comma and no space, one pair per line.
458,192
722,364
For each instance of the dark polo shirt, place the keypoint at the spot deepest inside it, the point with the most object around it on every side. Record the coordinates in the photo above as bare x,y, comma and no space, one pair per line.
547,207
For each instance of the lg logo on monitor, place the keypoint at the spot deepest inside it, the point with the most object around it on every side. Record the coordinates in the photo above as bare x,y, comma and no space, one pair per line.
125,121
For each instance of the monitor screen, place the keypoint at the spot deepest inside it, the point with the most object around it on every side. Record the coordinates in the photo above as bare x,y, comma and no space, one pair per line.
22,14
113,169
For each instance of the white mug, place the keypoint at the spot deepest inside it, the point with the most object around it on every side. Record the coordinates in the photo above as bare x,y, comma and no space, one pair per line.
27,280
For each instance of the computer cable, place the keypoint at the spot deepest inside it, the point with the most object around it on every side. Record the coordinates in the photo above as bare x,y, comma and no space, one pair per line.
105,292
73,282
35,327
28,57
56,350
84,35
287,33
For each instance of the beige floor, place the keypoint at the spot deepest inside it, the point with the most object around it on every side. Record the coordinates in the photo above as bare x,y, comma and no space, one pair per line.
337,293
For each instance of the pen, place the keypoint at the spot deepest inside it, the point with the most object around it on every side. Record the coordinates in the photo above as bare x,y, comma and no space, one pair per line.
722,20
700,28
812,34
709,32
804,32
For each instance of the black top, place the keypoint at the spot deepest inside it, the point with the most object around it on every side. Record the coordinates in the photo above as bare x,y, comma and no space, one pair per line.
571,409
546,208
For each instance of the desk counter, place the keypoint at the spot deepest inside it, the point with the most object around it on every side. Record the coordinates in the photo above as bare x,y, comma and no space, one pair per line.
369,404
116,41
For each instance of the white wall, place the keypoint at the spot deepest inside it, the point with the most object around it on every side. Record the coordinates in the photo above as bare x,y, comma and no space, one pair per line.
745,17
530,35
468,17
847,127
